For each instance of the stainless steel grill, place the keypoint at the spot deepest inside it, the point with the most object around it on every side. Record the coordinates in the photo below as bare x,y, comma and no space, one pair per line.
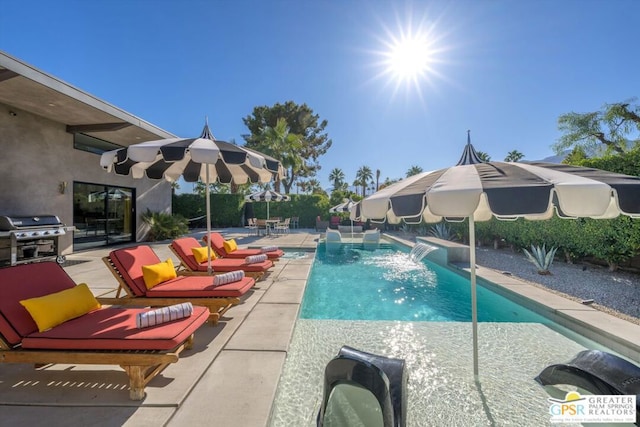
26,239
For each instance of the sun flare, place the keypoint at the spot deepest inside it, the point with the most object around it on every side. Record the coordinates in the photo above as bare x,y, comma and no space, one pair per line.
409,58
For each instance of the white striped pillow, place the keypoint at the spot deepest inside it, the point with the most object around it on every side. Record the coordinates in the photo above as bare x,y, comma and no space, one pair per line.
230,277
269,249
254,259
163,315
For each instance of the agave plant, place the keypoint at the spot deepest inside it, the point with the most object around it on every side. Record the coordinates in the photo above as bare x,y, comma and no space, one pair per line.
441,231
541,258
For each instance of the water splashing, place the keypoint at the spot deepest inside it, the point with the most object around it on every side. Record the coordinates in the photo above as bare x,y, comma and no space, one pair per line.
421,250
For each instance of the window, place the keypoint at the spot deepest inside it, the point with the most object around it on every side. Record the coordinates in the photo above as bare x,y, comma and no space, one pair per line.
92,145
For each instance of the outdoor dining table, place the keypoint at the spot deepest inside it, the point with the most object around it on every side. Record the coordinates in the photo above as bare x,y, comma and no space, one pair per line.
270,223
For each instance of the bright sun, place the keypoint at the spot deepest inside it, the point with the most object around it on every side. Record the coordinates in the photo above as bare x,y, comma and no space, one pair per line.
409,58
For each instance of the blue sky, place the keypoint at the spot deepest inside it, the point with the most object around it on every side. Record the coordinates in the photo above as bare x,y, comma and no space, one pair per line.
505,69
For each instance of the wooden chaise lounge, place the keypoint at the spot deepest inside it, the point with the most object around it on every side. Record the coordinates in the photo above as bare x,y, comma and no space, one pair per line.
217,244
126,266
182,248
103,336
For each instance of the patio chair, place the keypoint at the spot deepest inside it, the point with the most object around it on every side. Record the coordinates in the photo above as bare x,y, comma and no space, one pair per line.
126,266
282,226
597,372
252,225
334,222
333,240
364,389
295,222
262,225
80,330
371,239
183,246
217,244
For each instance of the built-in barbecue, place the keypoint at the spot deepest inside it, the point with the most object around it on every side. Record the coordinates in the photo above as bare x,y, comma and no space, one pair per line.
26,239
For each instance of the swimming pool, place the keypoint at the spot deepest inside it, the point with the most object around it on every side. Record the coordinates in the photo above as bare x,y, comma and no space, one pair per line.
389,285
438,356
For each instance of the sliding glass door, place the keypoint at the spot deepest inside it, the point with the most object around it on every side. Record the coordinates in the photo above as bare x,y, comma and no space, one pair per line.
102,215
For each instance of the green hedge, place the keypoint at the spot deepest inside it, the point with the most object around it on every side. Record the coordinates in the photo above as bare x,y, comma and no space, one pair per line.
226,209
613,241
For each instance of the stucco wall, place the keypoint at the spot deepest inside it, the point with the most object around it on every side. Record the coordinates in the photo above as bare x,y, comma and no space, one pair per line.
37,155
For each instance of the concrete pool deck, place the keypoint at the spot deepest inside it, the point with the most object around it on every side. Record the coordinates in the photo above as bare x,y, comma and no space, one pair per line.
231,375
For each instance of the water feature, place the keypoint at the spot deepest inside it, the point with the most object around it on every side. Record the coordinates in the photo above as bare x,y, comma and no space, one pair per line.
421,250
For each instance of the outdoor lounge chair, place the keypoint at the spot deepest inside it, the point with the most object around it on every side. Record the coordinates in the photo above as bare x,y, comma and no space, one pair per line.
364,389
217,244
333,240
126,266
102,336
182,248
371,239
597,372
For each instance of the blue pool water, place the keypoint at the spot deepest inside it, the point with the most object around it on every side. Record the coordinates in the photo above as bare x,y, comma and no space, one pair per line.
385,284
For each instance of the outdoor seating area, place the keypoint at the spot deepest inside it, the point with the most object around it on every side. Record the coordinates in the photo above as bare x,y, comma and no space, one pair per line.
127,265
64,323
244,354
186,249
228,248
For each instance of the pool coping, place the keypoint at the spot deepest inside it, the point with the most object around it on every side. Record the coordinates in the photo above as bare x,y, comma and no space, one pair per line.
613,332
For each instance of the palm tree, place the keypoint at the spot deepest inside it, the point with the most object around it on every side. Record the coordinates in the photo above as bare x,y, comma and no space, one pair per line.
414,170
313,186
484,156
377,179
363,176
514,156
337,176
280,143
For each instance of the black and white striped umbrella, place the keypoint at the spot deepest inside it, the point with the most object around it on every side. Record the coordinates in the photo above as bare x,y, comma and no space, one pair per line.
191,158
481,190
343,207
202,158
267,196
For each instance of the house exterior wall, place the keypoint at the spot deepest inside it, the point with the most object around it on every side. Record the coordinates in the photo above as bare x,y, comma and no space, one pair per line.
37,155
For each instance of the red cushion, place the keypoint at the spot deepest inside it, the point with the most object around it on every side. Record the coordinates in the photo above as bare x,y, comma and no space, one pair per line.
243,253
217,243
22,282
182,247
112,328
200,286
129,262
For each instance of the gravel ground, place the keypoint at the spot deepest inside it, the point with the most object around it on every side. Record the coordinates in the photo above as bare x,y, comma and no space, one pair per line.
617,293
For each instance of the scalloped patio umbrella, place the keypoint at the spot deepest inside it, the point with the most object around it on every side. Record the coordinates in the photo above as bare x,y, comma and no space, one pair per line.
345,207
267,196
204,158
480,190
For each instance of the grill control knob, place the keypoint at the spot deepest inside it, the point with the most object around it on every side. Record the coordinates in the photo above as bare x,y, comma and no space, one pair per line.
35,233
44,233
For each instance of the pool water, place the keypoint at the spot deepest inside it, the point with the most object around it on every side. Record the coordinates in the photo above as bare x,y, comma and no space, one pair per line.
386,284
373,301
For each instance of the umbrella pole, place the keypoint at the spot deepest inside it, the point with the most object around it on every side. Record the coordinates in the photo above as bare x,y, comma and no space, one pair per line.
474,309
208,198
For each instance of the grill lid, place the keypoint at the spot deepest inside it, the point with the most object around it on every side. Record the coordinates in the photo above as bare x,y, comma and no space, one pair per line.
9,222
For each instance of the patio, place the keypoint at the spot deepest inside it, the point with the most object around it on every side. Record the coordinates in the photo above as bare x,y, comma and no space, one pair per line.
232,371
231,375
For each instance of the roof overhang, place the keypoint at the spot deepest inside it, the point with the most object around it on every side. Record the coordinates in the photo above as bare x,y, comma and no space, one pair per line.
25,88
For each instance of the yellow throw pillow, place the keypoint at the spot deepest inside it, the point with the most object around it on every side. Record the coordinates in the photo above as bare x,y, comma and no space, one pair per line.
54,309
201,254
230,245
157,273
